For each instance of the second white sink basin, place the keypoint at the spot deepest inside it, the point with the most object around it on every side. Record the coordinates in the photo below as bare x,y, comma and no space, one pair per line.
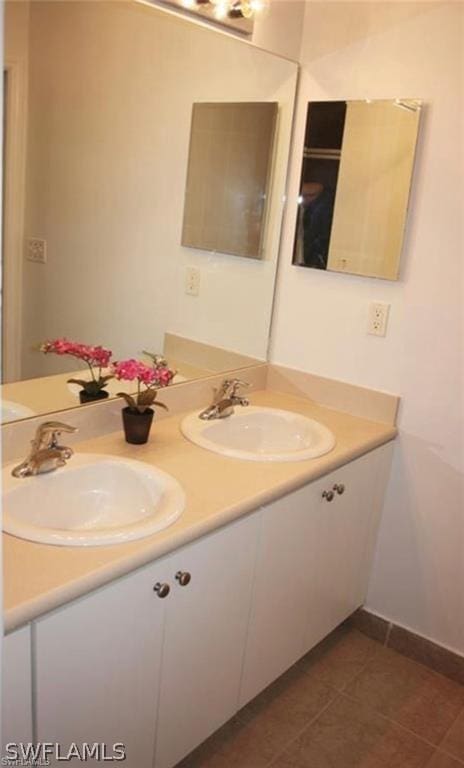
260,434
94,500
11,411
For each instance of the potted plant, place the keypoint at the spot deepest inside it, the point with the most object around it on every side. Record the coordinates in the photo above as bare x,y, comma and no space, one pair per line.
138,414
95,357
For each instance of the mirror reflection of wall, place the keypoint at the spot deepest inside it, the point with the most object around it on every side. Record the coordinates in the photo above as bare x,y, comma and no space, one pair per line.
101,143
356,175
230,157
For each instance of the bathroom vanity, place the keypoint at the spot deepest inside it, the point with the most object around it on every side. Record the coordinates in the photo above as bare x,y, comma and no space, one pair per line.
157,643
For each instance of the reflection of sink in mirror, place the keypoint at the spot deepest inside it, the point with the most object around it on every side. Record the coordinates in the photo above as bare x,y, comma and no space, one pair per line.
261,434
11,411
93,500
104,261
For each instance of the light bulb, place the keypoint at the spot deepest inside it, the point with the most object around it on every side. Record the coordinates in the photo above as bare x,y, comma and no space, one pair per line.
221,9
259,7
245,9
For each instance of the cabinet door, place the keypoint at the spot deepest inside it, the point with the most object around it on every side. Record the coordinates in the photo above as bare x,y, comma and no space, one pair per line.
284,573
345,530
312,567
98,665
205,634
16,688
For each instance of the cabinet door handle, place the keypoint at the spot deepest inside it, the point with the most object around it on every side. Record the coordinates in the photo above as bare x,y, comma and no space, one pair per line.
183,577
339,488
162,590
328,495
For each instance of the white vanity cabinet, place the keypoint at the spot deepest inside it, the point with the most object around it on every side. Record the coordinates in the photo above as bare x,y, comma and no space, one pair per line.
312,565
161,670
16,688
124,665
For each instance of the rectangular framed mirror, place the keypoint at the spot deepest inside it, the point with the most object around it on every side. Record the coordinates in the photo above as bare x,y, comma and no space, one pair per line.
99,99
357,169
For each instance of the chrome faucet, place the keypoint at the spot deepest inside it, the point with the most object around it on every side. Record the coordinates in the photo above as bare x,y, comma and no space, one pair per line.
225,399
46,454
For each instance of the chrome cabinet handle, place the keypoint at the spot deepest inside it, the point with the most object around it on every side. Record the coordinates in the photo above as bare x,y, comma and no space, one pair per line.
339,488
183,577
162,590
328,495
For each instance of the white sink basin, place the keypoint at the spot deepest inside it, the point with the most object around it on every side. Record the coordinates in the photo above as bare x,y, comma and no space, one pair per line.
93,500
11,411
260,434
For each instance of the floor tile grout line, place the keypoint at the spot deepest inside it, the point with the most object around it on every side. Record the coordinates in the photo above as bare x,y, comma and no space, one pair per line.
442,752
356,674
392,721
388,634
385,645
421,664
450,754
461,712
306,727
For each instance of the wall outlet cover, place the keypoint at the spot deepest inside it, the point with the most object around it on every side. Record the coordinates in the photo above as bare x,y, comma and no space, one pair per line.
37,250
192,281
378,318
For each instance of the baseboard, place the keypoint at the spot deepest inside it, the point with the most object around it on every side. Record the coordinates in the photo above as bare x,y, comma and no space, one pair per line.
409,644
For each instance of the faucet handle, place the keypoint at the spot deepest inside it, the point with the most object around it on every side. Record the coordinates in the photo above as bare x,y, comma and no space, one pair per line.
234,385
50,431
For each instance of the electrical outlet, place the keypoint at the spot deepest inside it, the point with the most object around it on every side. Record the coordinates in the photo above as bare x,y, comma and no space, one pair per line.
192,281
37,250
378,318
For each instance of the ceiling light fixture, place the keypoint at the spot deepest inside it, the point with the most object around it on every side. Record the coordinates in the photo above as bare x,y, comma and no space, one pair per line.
233,9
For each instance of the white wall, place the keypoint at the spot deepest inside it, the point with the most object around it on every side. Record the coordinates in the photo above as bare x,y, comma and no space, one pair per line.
385,50
280,28
110,95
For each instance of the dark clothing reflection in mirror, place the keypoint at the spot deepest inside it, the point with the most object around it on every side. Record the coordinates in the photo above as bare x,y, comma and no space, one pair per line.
314,225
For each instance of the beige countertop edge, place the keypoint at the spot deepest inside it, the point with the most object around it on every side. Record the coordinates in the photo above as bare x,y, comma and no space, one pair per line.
52,598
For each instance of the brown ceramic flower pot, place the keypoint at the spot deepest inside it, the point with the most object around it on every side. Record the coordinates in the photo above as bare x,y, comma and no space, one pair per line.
85,397
137,425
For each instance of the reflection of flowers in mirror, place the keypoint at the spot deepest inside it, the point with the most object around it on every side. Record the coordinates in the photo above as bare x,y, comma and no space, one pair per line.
95,357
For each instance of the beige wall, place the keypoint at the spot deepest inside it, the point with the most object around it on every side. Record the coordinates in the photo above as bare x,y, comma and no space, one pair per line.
388,50
16,63
17,22
280,29
110,106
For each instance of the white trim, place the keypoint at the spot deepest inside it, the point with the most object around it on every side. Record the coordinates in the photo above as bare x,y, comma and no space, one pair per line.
14,205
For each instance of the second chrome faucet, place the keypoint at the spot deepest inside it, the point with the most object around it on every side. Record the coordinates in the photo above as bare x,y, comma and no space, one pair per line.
225,399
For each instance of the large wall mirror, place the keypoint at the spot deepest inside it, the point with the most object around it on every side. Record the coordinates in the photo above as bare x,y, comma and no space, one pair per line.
356,176
99,100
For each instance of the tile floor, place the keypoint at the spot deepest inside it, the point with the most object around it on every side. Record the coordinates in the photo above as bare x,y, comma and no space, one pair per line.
350,703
